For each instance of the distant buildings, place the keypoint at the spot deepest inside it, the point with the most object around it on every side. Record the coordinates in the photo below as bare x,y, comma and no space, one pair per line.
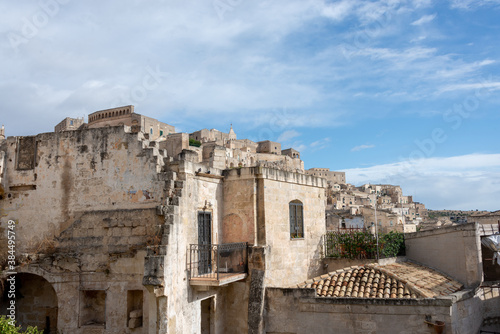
123,225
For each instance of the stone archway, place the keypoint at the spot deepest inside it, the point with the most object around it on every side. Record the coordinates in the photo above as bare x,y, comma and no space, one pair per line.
36,302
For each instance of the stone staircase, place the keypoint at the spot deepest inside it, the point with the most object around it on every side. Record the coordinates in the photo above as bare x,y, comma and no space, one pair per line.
154,264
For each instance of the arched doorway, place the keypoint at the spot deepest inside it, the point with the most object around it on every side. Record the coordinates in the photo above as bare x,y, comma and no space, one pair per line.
36,302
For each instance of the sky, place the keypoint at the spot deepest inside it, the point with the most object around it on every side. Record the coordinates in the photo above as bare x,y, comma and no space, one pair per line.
402,92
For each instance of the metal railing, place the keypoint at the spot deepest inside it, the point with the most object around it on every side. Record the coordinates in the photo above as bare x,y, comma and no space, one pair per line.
212,261
362,245
349,244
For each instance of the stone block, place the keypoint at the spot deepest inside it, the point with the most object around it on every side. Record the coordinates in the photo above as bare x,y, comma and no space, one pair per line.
170,218
136,314
139,230
135,322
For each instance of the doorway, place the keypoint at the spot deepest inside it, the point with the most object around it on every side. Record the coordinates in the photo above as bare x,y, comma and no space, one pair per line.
207,317
204,242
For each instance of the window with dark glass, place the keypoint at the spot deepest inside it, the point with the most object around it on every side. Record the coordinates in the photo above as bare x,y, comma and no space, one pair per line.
296,219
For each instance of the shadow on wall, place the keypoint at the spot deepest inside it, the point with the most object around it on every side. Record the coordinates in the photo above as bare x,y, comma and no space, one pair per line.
316,264
36,302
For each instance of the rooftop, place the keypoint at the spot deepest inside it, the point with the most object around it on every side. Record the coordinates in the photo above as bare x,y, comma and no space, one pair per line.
390,281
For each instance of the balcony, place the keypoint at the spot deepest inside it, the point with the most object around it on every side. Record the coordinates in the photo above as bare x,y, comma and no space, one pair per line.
217,265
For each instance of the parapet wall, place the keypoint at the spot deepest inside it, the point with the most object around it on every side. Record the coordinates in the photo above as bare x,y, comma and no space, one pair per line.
276,175
299,311
454,250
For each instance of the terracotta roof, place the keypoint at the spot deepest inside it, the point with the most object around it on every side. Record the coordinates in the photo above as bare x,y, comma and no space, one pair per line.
395,280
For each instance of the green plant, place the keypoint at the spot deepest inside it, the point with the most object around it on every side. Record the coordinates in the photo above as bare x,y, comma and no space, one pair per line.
392,244
7,328
363,245
194,142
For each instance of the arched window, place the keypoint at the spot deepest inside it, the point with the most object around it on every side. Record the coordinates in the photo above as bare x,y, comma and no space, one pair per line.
296,219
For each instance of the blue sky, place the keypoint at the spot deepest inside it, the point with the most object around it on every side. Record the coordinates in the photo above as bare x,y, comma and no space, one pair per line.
395,91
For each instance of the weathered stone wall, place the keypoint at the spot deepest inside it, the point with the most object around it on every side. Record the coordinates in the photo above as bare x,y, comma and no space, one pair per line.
331,176
467,313
487,219
85,212
332,264
175,143
454,250
2,165
240,216
199,193
490,297
291,260
298,311
268,146
75,172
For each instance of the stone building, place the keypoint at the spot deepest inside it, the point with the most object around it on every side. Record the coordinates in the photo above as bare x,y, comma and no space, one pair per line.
122,237
268,146
291,153
331,176
69,124
152,128
403,295
214,135
123,230
485,218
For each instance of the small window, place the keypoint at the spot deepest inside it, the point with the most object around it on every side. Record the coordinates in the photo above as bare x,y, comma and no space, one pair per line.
71,122
151,131
134,308
296,219
161,132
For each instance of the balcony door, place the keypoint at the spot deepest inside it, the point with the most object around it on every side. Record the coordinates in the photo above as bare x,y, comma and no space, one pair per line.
204,242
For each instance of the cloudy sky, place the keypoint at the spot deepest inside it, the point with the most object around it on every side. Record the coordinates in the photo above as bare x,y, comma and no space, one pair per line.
398,91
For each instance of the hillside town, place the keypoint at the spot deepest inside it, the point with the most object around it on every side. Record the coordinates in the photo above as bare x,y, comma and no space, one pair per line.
122,225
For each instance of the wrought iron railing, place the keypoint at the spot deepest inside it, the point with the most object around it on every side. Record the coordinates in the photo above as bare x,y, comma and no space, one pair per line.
213,261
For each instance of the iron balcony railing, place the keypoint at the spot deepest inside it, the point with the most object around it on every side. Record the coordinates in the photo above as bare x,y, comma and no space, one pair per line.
214,261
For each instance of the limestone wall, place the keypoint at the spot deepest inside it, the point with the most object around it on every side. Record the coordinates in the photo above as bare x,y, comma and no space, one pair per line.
75,172
175,143
298,311
292,260
454,250
184,303
490,297
96,191
257,208
240,216
487,219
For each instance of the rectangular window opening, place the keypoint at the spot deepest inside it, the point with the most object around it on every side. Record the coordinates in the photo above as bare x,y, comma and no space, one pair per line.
134,308
93,308
296,220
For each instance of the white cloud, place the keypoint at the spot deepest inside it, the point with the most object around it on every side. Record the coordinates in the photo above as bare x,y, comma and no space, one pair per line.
338,11
362,147
320,144
287,135
424,19
468,4
490,86
460,182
